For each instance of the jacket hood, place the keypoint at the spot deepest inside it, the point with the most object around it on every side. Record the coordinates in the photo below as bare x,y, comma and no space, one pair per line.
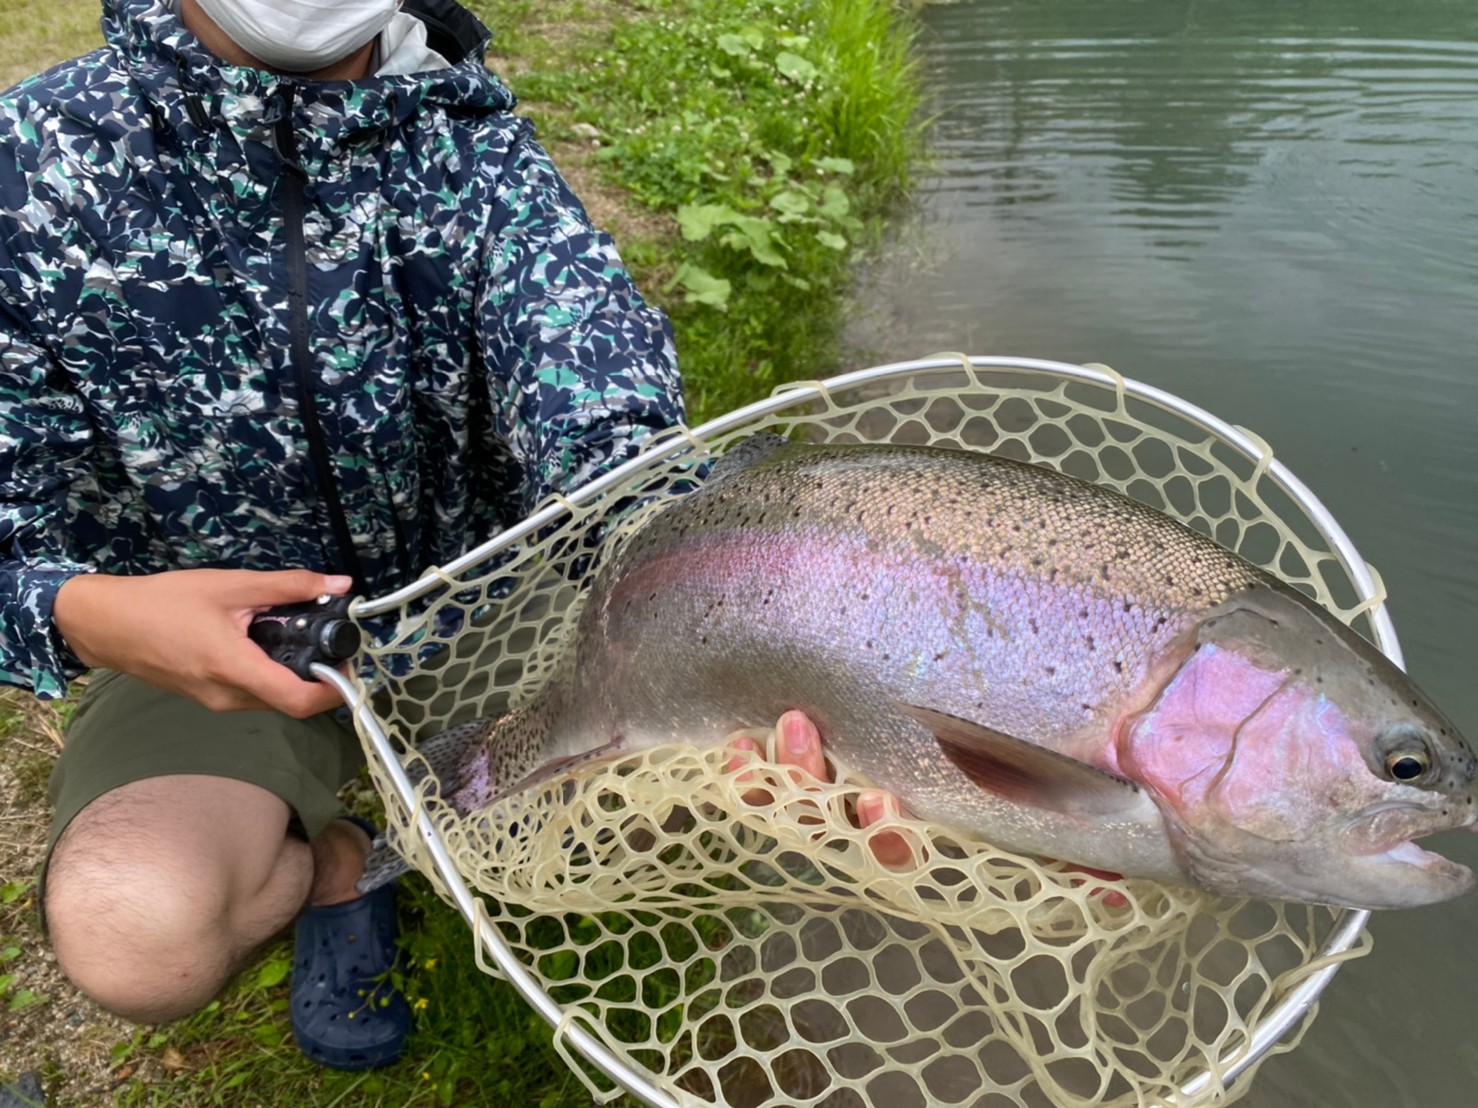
167,60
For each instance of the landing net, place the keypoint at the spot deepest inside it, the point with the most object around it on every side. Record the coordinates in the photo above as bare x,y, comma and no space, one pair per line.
728,952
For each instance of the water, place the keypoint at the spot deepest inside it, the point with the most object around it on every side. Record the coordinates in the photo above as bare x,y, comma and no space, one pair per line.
1270,208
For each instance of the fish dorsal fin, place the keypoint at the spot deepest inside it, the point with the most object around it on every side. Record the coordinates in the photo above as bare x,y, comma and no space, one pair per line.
1031,775
746,453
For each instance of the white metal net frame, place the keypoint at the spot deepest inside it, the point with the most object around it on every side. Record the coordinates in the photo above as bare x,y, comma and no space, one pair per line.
1365,602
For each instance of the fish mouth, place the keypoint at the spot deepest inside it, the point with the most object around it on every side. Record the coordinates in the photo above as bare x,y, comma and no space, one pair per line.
1389,832
1409,854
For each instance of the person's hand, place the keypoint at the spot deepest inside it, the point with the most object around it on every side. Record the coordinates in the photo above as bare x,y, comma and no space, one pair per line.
185,631
798,745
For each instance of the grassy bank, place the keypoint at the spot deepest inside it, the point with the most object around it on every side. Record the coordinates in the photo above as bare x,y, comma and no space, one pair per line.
742,153
768,139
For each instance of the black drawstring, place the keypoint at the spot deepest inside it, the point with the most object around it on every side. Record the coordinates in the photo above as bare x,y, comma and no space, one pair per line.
194,106
278,119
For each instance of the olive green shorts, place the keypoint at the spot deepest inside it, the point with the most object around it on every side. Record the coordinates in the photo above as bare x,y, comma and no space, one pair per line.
125,731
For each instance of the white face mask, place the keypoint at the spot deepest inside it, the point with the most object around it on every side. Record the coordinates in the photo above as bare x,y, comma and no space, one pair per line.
300,36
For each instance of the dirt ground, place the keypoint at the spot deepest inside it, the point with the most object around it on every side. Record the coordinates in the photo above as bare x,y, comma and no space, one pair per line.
45,1024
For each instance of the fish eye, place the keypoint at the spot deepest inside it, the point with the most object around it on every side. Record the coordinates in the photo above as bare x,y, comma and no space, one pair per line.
1406,765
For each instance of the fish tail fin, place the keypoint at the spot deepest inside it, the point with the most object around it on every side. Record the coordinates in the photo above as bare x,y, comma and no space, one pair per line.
383,865
472,764
446,757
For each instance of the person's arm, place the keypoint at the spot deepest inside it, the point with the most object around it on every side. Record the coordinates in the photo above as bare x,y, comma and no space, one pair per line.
47,443
186,630
183,630
580,368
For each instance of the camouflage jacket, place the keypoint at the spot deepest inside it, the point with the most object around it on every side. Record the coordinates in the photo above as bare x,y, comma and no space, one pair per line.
252,321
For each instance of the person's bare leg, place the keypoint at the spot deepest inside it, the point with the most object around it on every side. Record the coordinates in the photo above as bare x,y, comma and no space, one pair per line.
159,891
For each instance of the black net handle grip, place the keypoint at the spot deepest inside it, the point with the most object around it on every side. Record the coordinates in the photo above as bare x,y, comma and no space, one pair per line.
300,635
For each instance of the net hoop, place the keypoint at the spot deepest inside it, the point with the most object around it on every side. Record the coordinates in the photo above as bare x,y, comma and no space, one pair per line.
1286,1014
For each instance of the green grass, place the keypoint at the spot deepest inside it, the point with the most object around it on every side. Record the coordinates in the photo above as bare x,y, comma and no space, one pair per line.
777,135
760,146
27,746
40,33
474,1042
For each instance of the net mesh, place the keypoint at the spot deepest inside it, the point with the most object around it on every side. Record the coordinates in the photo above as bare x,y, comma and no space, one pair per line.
728,929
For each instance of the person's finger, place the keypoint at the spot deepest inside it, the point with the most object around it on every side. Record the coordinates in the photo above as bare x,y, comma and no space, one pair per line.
277,686
741,742
799,745
889,847
286,586
749,741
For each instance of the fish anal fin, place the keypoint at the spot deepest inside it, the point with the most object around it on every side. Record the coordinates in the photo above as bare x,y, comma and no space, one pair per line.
1027,774
558,767
446,754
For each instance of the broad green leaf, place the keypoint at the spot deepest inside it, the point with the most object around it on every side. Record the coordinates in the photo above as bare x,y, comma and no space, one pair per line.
844,166
779,162
755,235
831,239
273,973
834,203
737,45
795,67
25,999
791,202
702,286
698,220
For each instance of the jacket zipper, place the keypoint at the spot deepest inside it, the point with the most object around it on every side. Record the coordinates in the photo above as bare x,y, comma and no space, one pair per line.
294,209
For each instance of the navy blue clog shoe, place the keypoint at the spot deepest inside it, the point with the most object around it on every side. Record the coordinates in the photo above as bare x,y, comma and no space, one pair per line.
346,1013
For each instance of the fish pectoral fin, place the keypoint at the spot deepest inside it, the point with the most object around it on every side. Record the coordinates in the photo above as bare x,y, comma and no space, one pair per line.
1032,775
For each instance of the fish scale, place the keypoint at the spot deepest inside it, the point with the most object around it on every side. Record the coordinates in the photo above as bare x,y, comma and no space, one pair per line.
1016,654
1063,602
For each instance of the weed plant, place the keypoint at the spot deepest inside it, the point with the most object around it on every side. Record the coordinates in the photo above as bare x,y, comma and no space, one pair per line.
777,134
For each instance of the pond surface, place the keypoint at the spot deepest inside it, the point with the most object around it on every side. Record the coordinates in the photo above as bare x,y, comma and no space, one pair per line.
1270,209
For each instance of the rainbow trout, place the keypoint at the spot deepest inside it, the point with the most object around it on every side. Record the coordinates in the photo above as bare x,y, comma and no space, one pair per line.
1016,654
